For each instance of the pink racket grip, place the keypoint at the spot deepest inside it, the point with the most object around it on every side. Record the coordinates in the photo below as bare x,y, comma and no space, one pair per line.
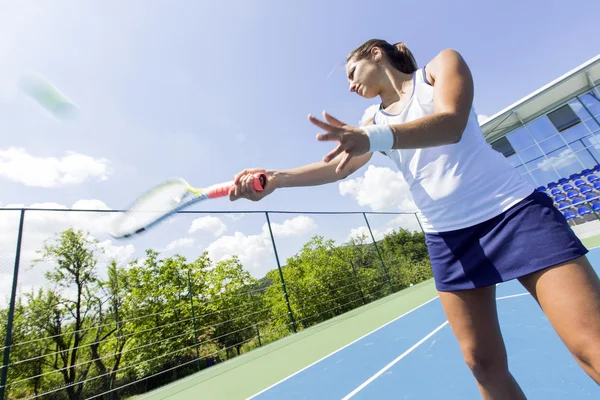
259,182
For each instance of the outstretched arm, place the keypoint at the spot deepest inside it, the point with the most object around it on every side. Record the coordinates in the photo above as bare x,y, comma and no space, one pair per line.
314,174
453,97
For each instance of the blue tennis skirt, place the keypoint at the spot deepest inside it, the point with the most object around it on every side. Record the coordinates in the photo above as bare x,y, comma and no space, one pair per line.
530,236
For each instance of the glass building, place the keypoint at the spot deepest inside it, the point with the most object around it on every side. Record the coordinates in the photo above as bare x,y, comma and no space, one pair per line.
557,144
553,134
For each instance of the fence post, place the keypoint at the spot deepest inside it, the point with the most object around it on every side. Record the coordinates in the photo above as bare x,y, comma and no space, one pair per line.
285,295
419,222
378,253
258,335
193,317
11,310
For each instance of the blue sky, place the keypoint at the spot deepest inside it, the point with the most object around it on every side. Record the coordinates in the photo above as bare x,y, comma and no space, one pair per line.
180,88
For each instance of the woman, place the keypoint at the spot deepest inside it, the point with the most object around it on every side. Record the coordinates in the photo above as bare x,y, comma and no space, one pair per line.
483,223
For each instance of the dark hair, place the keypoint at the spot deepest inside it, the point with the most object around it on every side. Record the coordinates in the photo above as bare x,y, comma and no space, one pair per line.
398,54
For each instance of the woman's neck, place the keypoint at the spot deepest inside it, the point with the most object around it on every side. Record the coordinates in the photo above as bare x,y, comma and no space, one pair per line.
397,86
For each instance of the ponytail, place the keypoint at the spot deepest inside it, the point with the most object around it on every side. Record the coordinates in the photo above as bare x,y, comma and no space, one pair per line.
398,54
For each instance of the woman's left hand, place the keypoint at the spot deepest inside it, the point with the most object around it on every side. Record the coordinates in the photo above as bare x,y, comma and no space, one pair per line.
353,141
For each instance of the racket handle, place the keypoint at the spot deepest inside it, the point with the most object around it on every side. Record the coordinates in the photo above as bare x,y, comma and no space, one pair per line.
258,183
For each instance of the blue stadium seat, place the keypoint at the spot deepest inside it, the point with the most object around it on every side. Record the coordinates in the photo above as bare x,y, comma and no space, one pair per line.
560,197
569,215
541,189
555,191
567,186
596,207
563,206
562,181
597,185
586,172
574,176
577,201
597,168
591,197
584,211
593,178
552,185
579,182
585,189
572,193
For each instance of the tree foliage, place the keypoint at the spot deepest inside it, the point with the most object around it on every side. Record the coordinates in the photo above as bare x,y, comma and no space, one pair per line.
138,326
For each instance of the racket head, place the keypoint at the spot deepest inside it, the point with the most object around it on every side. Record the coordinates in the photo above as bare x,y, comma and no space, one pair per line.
154,206
166,199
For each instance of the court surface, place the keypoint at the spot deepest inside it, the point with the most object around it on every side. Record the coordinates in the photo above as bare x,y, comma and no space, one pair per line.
412,356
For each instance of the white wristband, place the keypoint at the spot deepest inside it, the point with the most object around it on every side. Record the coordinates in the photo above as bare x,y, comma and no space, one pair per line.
381,137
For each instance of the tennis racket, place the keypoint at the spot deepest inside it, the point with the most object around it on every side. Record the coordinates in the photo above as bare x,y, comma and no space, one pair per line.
165,200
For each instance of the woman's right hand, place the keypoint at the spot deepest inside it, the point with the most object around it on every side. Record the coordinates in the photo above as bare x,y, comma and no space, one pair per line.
243,185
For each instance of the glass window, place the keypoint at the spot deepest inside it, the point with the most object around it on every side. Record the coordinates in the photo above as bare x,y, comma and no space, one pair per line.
521,169
593,147
542,128
563,161
592,125
578,144
563,118
592,102
579,109
544,177
503,146
587,158
520,139
577,132
530,154
591,141
554,143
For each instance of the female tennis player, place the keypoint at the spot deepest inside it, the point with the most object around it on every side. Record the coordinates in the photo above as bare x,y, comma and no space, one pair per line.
484,224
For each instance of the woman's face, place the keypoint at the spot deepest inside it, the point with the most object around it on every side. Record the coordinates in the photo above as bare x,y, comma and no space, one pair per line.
363,77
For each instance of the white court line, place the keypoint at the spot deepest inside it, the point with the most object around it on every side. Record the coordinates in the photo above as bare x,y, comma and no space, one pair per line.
341,348
512,295
407,352
400,357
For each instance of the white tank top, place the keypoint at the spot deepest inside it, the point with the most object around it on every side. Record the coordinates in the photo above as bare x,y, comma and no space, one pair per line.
458,185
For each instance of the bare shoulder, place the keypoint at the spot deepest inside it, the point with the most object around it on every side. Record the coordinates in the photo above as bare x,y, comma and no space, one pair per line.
447,61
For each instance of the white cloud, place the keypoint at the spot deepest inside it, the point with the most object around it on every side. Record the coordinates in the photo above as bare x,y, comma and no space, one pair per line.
114,252
17,165
381,189
256,251
368,113
290,227
406,221
564,159
210,224
481,118
356,233
181,243
43,225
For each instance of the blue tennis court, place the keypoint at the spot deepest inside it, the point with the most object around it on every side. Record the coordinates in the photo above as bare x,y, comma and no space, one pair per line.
417,357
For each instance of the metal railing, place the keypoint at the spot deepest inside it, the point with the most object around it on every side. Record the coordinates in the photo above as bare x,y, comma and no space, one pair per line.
125,339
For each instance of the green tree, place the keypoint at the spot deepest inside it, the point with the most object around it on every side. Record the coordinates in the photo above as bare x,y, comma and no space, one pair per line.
114,332
234,305
74,260
321,283
26,371
160,310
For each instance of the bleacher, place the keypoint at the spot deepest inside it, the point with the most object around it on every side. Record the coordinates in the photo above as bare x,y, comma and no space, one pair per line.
577,197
